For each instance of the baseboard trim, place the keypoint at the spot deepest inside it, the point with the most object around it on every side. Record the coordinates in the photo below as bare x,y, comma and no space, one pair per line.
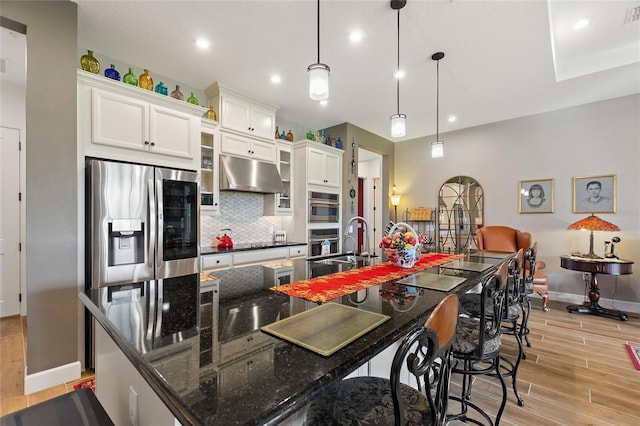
622,305
52,377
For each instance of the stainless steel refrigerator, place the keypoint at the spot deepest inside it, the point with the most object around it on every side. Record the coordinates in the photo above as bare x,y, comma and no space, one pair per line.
142,229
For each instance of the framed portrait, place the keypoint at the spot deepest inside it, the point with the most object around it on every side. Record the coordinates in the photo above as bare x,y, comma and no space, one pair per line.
535,196
594,194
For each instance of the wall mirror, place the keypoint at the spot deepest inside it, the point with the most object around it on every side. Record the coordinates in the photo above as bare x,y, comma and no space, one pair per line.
460,213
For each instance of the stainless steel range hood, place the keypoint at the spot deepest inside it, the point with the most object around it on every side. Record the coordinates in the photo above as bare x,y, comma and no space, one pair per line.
246,175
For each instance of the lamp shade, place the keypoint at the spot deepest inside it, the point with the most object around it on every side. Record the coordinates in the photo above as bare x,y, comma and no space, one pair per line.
318,81
398,126
437,149
593,223
395,199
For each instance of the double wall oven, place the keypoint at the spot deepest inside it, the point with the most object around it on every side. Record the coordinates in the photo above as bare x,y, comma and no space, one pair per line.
324,207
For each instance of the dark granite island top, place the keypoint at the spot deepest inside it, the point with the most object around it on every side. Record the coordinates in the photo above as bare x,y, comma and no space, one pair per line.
246,376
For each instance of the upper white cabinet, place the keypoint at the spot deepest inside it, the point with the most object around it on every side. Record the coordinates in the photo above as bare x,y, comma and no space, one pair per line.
120,121
242,114
282,204
209,152
324,167
242,146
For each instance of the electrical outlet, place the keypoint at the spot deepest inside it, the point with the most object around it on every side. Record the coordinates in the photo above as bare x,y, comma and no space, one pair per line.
133,407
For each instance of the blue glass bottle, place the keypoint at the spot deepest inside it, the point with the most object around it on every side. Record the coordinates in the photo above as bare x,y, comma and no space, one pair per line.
111,72
162,89
339,143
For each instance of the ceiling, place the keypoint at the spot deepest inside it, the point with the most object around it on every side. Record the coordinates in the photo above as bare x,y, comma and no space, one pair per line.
499,61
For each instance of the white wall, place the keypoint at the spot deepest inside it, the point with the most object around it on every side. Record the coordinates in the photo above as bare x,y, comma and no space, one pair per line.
595,139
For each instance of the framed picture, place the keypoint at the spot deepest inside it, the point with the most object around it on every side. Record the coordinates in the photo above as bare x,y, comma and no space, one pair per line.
535,196
594,194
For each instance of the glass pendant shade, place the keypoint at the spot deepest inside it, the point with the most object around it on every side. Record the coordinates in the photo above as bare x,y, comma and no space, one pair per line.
398,125
437,149
318,81
395,199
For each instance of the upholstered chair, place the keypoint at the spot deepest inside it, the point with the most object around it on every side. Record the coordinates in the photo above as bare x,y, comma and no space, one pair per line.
506,239
426,353
477,343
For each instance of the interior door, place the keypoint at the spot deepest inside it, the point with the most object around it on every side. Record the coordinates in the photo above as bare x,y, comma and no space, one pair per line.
9,222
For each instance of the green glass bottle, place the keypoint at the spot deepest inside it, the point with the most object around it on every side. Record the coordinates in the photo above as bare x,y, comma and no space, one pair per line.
192,99
130,78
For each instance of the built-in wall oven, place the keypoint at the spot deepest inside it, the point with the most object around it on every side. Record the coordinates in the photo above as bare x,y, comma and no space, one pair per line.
318,236
324,207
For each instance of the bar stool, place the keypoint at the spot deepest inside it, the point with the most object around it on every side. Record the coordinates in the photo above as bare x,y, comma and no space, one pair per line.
476,345
426,353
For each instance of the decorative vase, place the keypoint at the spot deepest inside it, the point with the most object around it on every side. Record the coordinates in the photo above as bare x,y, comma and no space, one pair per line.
277,133
146,82
211,114
89,63
162,89
129,78
339,143
192,99
310,135
290,136
112,73
177,93
283,136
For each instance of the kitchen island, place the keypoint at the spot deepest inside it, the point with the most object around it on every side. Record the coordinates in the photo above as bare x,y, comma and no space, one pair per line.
221,368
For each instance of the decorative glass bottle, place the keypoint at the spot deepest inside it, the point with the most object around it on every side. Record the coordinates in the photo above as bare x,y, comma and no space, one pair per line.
192,99
146,82
339,143
129,78
162,89
310,135
89,63
211,114
277,133
177,93
112,73
290,136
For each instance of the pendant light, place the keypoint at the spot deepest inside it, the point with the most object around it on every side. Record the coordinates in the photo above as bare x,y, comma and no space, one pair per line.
318,74
398,121
437,147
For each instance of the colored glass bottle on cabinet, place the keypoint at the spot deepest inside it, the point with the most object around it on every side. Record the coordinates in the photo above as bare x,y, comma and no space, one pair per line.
211,114
112,73
146,82
192,99
177,94
129,78
89,63
162,89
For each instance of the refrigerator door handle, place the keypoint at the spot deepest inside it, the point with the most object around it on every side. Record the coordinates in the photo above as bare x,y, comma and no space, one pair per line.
152,231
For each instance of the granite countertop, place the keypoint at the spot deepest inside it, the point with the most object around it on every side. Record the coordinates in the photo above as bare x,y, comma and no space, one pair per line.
258,245
240,365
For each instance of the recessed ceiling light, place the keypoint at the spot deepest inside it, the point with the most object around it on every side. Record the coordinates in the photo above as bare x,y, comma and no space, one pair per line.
399,74
324,102
580,24
355,36
202,43
452,118
275,79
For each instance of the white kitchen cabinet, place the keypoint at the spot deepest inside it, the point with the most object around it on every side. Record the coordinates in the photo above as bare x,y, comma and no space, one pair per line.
246,147
209,172
243,114
259,256
123,122
211,262
297,251
324,168
282,204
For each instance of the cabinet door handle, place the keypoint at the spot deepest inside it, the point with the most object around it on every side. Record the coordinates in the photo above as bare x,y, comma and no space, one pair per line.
153,144
146,142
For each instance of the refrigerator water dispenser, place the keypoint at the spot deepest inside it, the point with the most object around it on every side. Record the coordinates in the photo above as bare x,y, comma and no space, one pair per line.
126,242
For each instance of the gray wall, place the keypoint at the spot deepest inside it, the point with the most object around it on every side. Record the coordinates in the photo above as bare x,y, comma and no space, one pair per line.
596,139
51,187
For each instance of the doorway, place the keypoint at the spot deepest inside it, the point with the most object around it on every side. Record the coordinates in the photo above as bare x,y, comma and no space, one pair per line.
370,195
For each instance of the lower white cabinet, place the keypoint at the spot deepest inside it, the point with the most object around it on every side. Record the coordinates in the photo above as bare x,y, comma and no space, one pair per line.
259,256
216,261
210,262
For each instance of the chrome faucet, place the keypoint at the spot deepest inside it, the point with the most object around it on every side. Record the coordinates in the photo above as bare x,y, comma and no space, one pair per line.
348,234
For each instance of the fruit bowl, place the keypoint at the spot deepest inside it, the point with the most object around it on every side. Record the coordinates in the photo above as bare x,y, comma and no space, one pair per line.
401,245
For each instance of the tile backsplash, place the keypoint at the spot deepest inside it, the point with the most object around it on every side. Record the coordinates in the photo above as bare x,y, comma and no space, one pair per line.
243,213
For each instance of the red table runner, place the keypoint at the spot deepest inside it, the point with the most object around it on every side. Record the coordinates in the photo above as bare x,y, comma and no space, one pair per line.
329,287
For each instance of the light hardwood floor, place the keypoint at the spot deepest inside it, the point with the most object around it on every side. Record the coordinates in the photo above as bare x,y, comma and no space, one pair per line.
577,372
